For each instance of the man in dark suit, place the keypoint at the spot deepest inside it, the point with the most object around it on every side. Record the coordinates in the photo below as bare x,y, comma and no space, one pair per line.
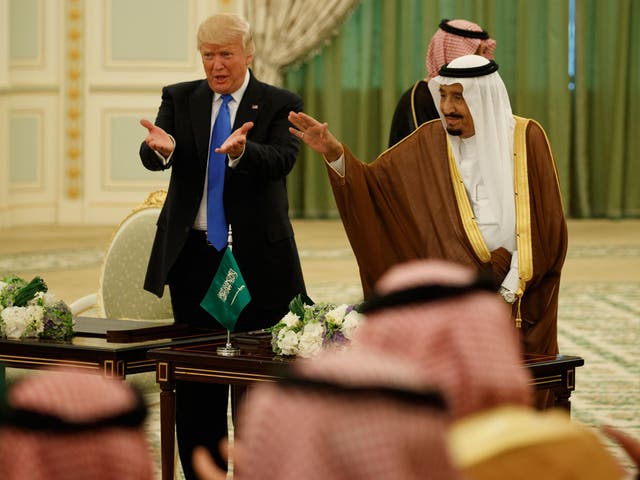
257,157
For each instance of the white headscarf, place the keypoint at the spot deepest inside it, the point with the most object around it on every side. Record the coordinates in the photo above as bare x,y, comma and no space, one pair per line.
488,101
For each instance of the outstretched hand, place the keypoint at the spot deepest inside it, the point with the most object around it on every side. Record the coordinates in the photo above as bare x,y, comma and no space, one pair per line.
629,444
157,139
234,144
316,135
206,468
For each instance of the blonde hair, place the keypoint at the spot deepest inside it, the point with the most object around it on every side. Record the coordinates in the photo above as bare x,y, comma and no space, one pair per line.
224,28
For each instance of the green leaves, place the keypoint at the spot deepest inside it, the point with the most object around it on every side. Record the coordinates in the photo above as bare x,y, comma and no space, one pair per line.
29,291
297,304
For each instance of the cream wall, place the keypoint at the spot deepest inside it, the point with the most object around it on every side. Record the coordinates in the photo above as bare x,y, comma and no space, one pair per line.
75,78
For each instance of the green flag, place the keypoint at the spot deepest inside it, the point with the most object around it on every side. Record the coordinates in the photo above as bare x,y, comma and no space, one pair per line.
228,294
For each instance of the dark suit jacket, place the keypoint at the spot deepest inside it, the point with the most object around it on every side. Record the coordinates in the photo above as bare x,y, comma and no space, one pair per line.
415,107
255,195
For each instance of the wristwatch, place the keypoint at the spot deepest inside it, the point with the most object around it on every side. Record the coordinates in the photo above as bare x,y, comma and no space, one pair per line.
507,295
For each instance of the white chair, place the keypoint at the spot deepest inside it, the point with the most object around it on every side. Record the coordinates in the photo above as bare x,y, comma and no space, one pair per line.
120,292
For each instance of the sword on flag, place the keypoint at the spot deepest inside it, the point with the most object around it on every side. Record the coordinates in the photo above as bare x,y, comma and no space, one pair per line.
227,296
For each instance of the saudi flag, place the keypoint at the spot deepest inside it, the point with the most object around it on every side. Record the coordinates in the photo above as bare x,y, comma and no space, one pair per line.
228,294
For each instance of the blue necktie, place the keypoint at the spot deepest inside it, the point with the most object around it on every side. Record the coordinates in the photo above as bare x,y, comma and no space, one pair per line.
216,221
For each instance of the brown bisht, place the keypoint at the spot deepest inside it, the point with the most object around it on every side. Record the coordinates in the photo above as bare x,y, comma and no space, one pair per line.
411,203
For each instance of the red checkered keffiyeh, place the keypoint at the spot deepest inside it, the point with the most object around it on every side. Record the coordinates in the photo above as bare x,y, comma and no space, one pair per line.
72,398
445,47
466,346
297,433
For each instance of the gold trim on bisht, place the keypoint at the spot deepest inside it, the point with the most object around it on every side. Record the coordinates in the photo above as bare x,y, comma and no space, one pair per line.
523,210
413,104
466,212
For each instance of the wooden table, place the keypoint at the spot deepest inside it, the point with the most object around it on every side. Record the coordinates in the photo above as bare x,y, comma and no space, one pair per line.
91,349
198,362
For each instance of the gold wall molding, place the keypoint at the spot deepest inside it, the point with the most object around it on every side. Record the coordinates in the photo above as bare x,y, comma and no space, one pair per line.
73,99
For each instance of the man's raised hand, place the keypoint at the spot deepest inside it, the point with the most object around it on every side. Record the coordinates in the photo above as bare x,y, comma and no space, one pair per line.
157,139
234,144
316,135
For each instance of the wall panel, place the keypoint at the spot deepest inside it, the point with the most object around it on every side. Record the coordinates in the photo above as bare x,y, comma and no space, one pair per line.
144,44
25,145
115,179
33,42
31,168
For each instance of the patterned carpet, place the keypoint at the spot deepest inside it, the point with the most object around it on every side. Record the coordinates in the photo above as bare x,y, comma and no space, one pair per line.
599,320
38,262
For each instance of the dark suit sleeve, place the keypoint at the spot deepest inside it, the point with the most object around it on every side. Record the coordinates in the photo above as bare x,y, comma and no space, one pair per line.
417,100
165,121
402,122
271,150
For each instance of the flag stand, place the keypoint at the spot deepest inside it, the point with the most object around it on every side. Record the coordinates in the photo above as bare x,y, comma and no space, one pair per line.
228,350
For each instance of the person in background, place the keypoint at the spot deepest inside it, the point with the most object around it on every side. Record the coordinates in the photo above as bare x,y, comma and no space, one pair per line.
345,415
436,360
238,180
432,331
446,320
478,188
66,425
453,39
363,412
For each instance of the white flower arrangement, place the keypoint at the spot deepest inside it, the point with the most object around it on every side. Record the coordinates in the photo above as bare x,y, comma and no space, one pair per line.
309,327
27,310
